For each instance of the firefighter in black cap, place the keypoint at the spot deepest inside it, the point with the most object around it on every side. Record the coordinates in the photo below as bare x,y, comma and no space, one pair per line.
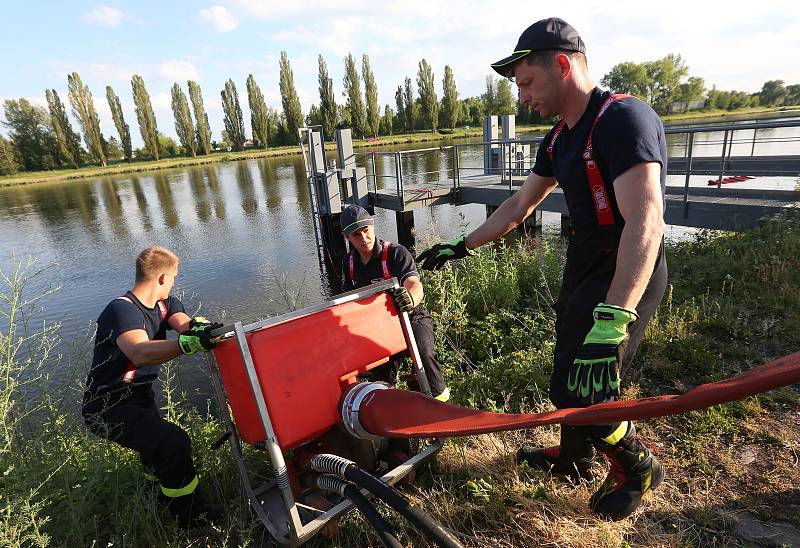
608,154
371,261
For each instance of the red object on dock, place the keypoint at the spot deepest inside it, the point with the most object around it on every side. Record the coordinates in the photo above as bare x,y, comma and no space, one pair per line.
731,179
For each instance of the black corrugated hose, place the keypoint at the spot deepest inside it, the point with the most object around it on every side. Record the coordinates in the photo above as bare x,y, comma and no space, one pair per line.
346,489
347,469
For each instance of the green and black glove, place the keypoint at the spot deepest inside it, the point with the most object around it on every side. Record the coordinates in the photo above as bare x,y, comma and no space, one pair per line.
198,338
402,299
436,256
595,374
197,321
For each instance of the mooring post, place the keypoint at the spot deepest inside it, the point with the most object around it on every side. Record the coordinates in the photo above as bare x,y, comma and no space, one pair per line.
532,223
327,189
405,228
490,147
565,225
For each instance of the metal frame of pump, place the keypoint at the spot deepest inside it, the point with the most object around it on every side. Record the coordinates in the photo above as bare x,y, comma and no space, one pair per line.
274,502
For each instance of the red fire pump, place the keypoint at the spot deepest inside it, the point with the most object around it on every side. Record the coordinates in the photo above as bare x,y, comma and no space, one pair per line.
280,382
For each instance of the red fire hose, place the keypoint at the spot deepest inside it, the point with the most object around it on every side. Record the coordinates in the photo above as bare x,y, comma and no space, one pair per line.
402,413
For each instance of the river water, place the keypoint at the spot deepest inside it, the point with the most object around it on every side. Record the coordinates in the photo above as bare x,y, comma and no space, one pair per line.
243,231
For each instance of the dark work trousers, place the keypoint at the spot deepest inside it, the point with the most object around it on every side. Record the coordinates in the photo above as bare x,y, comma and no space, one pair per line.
591,263
422,327
135,423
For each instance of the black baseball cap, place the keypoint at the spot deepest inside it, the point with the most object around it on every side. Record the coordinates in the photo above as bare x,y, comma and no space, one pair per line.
354,217
547,34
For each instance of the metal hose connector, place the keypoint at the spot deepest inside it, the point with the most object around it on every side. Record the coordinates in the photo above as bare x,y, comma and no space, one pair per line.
331,464
351,403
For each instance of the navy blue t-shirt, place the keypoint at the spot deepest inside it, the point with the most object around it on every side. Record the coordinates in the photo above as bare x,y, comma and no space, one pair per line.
111,370
399,261
628,133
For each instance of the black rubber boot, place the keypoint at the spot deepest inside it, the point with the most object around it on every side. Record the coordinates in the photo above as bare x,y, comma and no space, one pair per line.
634,472
193,509
571,459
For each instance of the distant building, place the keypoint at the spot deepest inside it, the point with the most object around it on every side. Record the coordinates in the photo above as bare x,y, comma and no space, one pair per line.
686,106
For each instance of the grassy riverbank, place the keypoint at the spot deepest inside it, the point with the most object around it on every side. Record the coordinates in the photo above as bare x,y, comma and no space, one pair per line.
421,137
734,303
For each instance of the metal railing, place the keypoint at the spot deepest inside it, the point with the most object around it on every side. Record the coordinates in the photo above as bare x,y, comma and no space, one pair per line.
510,164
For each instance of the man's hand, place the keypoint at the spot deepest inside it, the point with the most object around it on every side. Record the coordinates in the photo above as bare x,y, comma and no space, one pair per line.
436,256
402,299
595,374
198,338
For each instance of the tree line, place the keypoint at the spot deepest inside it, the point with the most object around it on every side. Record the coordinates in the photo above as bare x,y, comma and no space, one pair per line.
43,138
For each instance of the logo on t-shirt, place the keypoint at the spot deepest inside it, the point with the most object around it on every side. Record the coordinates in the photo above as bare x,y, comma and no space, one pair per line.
600,198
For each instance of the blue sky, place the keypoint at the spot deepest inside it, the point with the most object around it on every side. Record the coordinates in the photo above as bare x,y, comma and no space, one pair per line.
731,44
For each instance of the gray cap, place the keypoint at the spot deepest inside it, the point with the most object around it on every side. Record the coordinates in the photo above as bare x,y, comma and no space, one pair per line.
354,217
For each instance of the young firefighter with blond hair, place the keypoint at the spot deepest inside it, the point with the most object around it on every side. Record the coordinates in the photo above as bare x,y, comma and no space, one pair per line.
608,154
119,404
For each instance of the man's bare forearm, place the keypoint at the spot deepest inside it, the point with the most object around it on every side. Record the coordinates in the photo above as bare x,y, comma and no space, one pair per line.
636,258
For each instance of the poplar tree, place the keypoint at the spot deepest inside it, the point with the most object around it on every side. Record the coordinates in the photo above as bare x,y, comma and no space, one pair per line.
355,104
401,113
427,96
451,106
327,100
83,109
145,116
291,104
202,129
259,118
371,94
234,122
69,142
183,121
123,129
408,104
387,120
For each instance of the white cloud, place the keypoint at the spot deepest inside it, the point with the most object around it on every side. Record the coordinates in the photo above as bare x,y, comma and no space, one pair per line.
220,18
177,70
103,16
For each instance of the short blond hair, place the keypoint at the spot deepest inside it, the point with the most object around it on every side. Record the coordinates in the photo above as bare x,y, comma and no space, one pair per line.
153,261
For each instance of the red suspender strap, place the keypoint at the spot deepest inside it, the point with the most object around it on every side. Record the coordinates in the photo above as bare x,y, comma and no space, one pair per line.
597,186
352,267
385,260
162,308
384,263
556,132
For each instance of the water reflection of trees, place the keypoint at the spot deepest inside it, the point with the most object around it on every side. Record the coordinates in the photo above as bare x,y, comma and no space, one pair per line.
213,186
141,202
246,191
166,200
200,194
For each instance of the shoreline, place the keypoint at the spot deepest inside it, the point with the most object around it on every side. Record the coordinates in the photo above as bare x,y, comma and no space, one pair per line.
121,168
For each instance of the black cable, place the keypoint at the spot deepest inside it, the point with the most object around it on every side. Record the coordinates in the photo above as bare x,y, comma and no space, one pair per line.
333,464
346,489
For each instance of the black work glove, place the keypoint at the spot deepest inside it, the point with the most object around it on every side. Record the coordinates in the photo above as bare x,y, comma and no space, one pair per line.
402,299
436,256
594,376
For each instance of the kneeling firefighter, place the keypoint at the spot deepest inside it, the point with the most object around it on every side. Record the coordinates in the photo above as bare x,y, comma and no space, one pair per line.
119,403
